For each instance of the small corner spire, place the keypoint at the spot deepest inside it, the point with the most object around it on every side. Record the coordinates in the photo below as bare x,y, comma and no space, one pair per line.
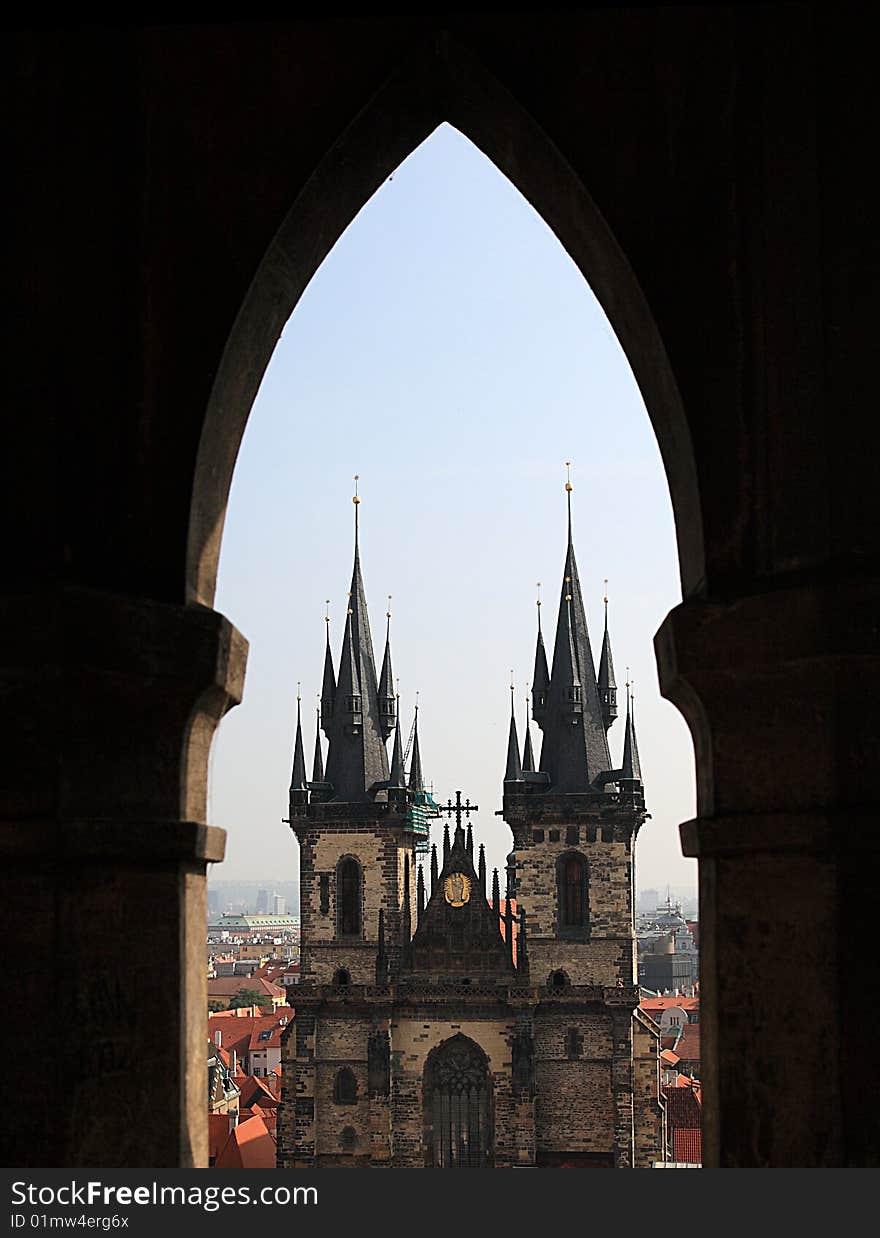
632,768
397,778
388,700
528,761
416,777
513,770
540,674
318,763
606,682
298,789
481,870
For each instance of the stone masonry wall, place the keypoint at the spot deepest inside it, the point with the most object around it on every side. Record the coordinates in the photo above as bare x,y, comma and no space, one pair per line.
380,851
574,1109
648,1113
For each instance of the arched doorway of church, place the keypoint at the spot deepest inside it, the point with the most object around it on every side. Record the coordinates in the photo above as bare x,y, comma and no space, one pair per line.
457,1106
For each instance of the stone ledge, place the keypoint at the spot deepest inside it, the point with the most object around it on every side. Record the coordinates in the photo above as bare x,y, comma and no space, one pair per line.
843,831
140,842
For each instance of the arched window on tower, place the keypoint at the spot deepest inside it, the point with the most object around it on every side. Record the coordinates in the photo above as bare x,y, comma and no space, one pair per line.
345,1090
348,897
457,1095
572,893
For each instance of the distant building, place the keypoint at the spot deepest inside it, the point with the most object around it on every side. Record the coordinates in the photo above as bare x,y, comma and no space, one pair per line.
244,924
262,902
279,904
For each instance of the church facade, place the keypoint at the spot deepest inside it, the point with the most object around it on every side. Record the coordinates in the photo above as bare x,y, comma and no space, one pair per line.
439,1025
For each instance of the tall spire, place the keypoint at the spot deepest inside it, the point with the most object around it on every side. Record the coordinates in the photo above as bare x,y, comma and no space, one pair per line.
357,758
528,761
632,768
328,685
513,770
318,765
387,699
416,778
298,790
540,675
575,748
606,681
481,871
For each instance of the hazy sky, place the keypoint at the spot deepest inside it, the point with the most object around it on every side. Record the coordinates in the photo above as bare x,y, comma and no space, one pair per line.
449,352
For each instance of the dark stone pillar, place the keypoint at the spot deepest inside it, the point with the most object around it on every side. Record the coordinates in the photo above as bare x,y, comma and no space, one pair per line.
110,704
781,694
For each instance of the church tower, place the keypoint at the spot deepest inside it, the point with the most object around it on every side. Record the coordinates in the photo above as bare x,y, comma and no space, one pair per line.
356,837
574,821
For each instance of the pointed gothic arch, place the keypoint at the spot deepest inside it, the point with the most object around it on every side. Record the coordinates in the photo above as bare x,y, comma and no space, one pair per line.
457,1106
445,83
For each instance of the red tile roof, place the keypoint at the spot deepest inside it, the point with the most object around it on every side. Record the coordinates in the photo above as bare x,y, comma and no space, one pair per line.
683,1108
665,1003
228,986
688,1044
250,1146
687,1146
256,1090
218,1133
241,1033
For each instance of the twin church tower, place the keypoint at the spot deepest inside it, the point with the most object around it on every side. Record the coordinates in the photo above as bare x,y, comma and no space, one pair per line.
438,1025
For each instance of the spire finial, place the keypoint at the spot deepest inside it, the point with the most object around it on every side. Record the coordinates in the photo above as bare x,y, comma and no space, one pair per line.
298,694
538,604
356,500
568,489
605,600
512,691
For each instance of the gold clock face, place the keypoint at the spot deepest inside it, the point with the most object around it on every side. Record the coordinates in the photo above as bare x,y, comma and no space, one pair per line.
457,889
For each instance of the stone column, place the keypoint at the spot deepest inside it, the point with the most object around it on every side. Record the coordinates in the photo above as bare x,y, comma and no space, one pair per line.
780,691
109,705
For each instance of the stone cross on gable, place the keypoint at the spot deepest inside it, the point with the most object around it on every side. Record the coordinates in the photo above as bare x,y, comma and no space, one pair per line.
459,810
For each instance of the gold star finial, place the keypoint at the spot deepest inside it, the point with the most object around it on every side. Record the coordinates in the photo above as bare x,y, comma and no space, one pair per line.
538,603
327,610
568,476
356,499
605,599
298,695
388,611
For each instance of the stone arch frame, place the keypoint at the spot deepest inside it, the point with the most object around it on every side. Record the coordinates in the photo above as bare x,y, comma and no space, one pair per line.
444,83
572,932
348,858
477,1051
